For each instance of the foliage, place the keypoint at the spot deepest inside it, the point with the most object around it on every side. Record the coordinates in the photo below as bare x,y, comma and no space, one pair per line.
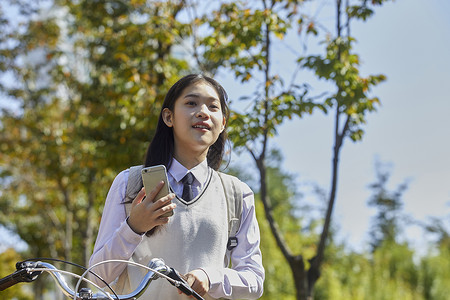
278,283
434,279
340,66
241,41
438,227
89,78
386,224
8,259
236,40
391,271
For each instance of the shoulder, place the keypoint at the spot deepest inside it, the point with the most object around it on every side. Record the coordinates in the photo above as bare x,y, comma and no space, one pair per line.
117,190
126,179
246,190
121,178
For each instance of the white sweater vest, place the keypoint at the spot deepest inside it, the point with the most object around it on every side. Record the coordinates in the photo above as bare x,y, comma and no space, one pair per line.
195,237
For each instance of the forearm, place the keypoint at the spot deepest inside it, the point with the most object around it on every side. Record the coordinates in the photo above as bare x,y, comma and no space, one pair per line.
235,284
115,239
121,246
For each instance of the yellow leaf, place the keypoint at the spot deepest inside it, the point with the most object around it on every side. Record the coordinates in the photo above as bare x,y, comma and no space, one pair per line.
122,56
279,35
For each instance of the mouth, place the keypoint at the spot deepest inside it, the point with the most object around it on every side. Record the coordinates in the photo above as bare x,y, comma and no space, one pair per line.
202,126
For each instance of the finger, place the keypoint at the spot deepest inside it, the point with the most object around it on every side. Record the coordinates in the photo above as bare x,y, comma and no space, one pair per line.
201,282
190,279
140,196
151,196
195,286
164,201
165,209
198,287
161,221
161,217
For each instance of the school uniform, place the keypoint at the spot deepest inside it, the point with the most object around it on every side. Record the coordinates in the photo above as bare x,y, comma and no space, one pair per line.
195,238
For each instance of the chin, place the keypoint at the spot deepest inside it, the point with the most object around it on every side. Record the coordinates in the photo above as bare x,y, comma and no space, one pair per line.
201,144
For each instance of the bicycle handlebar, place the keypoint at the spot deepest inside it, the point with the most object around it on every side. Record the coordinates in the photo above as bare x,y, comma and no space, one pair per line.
21,275
30,271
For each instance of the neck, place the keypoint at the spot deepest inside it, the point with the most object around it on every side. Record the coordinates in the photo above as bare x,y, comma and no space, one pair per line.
190,160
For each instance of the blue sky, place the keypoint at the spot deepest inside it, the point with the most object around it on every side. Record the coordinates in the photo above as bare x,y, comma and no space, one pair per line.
409,42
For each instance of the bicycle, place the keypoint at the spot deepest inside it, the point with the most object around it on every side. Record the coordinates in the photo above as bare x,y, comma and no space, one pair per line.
29,271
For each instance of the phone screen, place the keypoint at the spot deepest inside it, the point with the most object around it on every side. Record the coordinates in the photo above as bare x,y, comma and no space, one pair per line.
151,176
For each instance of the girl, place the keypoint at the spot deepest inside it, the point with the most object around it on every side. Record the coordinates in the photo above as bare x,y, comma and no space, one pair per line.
189,140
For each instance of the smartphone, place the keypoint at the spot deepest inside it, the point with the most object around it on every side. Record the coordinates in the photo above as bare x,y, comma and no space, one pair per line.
151,176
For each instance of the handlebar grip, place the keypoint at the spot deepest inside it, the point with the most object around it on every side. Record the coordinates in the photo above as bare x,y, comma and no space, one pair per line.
23,274
12,279
183,285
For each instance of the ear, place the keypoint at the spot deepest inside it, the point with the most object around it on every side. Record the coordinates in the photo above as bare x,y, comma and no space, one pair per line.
224,122
167,117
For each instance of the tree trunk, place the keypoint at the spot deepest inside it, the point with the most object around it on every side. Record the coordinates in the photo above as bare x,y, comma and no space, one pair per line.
298,271
88,235
68,236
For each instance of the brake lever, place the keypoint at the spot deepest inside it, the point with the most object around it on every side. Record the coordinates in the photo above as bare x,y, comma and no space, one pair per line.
182,285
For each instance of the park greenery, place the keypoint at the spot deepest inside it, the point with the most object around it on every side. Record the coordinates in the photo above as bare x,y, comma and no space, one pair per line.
84,81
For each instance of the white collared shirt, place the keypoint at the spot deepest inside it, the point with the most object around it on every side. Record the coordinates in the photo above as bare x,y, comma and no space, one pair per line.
177,171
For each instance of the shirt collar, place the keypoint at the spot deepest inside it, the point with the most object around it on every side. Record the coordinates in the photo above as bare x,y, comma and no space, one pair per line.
200,171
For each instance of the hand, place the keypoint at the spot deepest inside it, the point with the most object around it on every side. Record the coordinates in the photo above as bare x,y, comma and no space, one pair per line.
199,281
146,214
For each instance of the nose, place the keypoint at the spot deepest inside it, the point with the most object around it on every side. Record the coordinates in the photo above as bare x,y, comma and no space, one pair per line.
203,112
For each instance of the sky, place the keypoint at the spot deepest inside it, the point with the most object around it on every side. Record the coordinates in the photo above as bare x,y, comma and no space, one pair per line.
409,42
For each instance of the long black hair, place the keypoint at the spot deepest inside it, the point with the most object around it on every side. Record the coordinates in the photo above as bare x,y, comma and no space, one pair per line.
161,148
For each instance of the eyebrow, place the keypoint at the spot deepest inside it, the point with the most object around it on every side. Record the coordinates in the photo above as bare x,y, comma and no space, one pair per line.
192,95
195,95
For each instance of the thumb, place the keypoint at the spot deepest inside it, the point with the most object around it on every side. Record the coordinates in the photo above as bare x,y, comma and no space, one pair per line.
140,196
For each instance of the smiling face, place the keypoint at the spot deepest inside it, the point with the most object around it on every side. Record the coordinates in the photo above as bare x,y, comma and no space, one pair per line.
197,120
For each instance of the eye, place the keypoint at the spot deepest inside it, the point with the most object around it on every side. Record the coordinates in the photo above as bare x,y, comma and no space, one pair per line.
191,103
215,106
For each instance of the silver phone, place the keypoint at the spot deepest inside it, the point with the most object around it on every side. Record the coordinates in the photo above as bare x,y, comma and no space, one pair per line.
151,176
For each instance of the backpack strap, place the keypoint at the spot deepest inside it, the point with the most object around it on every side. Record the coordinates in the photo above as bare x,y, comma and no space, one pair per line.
134,184
234,198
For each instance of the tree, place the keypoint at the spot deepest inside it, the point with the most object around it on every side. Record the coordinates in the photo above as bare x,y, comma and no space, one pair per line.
89,96
434,268
387,223
242,41
434,276
438,227
389,270
299,231
392,259
89,78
